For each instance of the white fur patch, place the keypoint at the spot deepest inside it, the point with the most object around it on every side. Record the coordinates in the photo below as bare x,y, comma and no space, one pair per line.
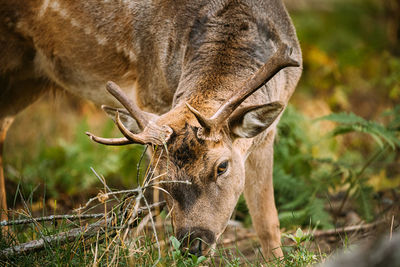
55,6
119,47
75,23
43,8
101,40
87,30
20,25
239,131
132,56
250,121
128,74
126,51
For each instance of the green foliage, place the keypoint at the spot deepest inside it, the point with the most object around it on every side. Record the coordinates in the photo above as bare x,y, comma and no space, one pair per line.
348,29
304,180
140,251
299,237
347,55
299,189
349,122
183,259
347,62
394,116
299,254
385,136
65,167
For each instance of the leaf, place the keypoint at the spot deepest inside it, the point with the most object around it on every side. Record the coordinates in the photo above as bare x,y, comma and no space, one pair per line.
201,259
342,117
349,122
299,233
290,236
364,197
175,242
194,258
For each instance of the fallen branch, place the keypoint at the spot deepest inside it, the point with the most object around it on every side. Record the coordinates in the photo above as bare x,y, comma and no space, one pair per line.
109,225
52,218
316,233
60,238
347,229
71,235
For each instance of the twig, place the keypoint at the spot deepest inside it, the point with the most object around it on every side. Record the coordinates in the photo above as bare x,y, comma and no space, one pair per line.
347,229
317,233
60,238
139,163
154,231
168,182
103,181
147,182
69,236
391,228
101,196
358,175
52,218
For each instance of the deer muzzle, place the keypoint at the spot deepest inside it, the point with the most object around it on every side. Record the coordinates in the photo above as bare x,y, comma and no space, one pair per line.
196,241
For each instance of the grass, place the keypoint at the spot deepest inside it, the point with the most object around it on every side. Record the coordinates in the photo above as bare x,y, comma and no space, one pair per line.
348,66
141,250
113,245
304,171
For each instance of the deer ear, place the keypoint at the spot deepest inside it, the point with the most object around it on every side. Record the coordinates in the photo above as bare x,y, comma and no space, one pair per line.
126,119
247,122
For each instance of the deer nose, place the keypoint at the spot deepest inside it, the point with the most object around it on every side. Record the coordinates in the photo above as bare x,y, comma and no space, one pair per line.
195,247
195,241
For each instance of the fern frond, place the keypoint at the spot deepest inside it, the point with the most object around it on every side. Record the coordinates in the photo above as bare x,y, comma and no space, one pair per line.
364,199
349,122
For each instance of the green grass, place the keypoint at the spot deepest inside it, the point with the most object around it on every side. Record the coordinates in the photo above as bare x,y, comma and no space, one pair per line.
113,250
303,181
347,63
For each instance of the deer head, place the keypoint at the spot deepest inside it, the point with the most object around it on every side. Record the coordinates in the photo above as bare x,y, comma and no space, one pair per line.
202,150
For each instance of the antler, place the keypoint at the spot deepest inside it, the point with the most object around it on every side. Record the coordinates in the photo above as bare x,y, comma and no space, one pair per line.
109,141
151,134
141,117
279,60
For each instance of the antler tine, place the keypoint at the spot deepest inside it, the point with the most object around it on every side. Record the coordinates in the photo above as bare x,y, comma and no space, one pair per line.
135,111
109,141
204,122
152,134
280,60
134,138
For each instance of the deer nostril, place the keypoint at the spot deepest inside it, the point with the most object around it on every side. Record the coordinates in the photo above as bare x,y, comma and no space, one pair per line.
196,247
192,245
195,240
201,251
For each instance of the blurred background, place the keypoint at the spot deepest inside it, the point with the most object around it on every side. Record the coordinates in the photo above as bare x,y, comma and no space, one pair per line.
337,157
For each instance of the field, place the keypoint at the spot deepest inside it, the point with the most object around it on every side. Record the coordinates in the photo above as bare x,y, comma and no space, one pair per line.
336,171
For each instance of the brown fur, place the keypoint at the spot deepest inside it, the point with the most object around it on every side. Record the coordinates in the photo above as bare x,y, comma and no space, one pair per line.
163,53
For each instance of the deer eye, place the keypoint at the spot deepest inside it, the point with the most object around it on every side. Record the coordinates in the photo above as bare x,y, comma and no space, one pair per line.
222,167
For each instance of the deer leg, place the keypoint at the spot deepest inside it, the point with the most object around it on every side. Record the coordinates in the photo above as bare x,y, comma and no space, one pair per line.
5,123
259,194
15,95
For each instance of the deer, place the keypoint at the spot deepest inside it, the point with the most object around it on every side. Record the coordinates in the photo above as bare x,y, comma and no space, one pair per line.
204,81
